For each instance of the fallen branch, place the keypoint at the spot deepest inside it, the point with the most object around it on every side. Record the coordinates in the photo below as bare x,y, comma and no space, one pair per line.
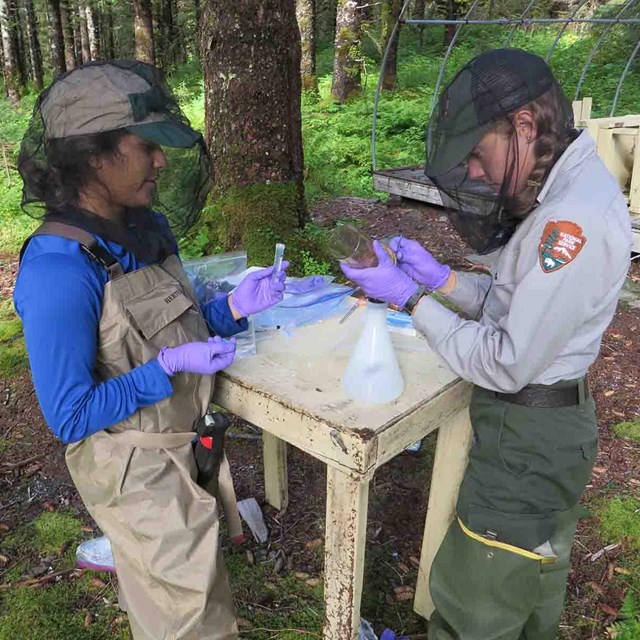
10,466
32,582
598,554
301,631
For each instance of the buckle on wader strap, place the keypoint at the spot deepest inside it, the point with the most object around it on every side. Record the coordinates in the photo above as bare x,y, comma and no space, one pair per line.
213,465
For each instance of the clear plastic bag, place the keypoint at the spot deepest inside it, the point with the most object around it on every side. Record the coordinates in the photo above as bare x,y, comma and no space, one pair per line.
95,554
218,275
306,301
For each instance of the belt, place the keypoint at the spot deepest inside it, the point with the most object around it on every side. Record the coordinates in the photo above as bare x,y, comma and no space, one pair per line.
549,397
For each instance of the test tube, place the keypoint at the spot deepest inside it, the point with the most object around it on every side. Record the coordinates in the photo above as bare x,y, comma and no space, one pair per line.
277,260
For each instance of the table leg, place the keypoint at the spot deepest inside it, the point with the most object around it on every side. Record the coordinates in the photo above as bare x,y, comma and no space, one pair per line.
345,538
452,448
276,484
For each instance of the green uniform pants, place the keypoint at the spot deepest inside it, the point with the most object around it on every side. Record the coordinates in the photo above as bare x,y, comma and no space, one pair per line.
500,573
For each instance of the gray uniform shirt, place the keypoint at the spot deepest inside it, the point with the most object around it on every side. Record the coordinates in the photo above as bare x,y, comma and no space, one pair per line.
553,287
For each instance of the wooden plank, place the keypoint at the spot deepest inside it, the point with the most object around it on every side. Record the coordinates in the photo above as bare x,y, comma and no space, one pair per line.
345,539
276,483
454,440
418,424
587,103
407,189
615,152
634,187
613,122
335,447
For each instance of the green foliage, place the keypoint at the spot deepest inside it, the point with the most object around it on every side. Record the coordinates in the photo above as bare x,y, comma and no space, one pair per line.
630,430
629,627
55,529
56,613
620,519
13,356
291,603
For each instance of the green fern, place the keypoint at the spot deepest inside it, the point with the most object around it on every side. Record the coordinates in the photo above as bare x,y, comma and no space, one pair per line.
629,627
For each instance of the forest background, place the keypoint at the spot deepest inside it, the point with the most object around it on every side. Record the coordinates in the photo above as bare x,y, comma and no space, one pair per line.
284,92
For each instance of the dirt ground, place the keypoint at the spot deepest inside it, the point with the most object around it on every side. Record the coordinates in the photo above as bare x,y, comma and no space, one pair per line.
33,476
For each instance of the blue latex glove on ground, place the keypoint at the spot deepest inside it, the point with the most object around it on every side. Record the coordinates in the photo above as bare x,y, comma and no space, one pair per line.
385,282
259,290
205,358
418,263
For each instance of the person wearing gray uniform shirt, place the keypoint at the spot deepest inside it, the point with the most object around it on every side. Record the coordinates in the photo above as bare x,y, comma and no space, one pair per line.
520,182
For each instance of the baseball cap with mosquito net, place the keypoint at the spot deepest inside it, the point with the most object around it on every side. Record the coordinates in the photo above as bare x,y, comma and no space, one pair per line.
484,93
118,95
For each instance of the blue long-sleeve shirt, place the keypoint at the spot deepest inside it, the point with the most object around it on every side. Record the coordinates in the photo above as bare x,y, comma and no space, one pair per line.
58,296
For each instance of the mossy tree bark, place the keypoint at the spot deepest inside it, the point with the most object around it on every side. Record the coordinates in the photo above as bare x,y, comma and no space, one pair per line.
325,19
306,17
67,35
35,53
92,31
143,30
250,54
56,41
11,75
389,14
350,18
84,33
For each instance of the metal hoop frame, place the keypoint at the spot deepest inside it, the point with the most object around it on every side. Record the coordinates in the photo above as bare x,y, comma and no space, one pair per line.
514,23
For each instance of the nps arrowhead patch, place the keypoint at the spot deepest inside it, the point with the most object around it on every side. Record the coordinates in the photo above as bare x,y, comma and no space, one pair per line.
561,242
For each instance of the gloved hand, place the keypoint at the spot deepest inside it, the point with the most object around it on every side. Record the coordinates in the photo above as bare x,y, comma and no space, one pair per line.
258,291
418,263
198,357
385,282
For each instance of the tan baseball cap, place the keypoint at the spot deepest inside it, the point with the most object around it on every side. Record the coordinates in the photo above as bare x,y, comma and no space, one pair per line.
99,97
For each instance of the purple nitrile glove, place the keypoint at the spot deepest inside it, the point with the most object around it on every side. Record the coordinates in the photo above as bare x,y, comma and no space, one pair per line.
205,358
259,290
418,263
385,282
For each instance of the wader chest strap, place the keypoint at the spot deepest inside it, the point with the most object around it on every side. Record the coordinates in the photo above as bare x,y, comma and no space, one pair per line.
87,242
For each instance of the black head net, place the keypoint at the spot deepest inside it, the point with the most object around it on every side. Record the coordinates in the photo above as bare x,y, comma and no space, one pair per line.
482,95
84,112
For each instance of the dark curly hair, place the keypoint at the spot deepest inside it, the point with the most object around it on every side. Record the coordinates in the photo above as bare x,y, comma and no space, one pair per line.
68,166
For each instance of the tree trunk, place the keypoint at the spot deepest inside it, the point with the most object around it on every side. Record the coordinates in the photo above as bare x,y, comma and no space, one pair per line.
250,54
347,59
306,16
143,30
109,41
77,34
166,20
390,11
35,53
325,11
21,49
84,33
10,66
178,38
92,32
418,14
67,35
56,41
450,29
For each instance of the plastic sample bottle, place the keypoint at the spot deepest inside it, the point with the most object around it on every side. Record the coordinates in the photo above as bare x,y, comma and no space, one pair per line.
372,375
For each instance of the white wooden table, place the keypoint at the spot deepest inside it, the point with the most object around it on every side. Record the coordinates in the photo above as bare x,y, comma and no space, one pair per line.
292,390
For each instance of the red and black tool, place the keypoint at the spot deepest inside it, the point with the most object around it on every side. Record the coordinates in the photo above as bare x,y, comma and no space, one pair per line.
209,448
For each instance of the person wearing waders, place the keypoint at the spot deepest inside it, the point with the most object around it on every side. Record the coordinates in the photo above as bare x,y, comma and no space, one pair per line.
522,183
122,354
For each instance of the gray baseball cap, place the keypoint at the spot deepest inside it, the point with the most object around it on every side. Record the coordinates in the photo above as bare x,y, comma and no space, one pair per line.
105,97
